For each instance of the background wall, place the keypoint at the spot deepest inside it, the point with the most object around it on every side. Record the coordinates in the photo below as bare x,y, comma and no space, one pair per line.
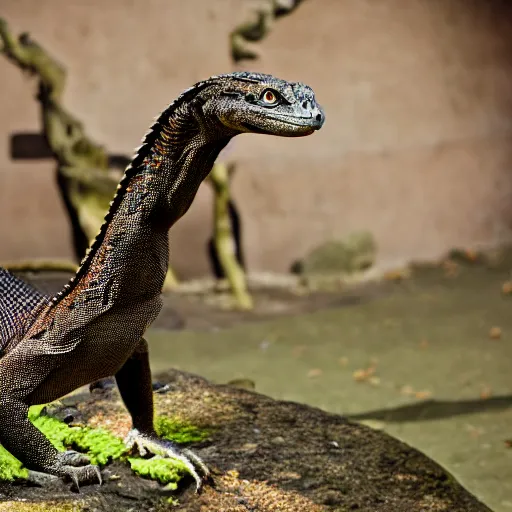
417,145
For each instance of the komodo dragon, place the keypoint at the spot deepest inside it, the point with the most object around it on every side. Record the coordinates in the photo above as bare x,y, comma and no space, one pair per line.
94,327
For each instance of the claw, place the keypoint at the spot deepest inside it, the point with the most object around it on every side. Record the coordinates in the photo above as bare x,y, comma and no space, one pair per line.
71,466
83,474
74,479
197,461
161,448
98,475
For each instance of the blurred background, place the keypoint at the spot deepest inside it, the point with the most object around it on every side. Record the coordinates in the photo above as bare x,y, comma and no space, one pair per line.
416,147
413,165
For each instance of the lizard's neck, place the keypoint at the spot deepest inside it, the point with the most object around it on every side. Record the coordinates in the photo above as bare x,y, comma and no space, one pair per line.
129,257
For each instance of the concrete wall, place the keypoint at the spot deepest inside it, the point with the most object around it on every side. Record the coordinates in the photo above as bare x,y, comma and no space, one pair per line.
417,146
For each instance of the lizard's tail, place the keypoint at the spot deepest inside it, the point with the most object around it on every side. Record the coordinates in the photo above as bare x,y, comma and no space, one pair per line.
18,300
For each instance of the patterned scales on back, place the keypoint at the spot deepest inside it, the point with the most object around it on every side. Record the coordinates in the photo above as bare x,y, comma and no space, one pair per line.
94,327
19,303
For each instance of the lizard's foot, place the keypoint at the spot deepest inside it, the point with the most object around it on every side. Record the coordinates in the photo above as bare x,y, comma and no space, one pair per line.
75,467
89,474
145,443
77,474
70,465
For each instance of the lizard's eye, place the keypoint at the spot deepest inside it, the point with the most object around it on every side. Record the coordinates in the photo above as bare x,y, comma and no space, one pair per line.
269,97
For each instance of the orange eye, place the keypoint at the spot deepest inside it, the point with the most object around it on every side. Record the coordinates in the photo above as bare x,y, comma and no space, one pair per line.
269,98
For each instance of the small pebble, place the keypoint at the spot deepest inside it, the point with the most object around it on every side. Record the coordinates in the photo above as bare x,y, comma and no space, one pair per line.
506,288
495,333
249,447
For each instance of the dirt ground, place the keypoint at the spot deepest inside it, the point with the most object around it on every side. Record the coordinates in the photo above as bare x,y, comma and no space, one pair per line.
427,359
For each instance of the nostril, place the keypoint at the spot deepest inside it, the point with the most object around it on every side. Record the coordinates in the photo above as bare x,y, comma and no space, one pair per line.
304,104
319,117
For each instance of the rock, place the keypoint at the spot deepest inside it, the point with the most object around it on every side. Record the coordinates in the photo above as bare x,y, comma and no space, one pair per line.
498,258
67,414
242,383
465,256
102,385
354,253
265,455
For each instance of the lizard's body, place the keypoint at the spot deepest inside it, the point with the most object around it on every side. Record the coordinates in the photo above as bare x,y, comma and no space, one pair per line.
94,328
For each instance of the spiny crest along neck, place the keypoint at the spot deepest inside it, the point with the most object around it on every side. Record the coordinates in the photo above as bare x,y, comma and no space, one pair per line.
149,141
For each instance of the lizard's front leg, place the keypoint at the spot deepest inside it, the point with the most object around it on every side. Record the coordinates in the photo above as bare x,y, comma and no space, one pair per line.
134,382
20,373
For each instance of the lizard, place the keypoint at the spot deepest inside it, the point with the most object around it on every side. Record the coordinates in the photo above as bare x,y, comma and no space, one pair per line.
94,327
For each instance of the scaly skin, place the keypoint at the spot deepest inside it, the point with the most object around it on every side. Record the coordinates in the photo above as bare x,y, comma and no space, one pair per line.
94,327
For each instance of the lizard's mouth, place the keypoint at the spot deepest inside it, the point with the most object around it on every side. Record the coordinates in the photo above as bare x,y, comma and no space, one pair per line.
294,128
253,128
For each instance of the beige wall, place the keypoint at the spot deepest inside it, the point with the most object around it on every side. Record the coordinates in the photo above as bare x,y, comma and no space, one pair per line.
417,146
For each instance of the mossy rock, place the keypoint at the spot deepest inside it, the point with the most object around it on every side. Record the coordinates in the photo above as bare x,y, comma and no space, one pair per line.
103,447
354,253
265,455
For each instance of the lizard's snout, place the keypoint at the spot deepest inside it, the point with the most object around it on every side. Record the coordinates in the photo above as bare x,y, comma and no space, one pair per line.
318,117
311,110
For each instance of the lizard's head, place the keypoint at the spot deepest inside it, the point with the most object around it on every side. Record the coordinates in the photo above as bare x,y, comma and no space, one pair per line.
257,103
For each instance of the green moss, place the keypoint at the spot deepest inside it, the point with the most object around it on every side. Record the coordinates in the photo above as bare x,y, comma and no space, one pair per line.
99,444
166,471
178,431
10,467
56,431
103,447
